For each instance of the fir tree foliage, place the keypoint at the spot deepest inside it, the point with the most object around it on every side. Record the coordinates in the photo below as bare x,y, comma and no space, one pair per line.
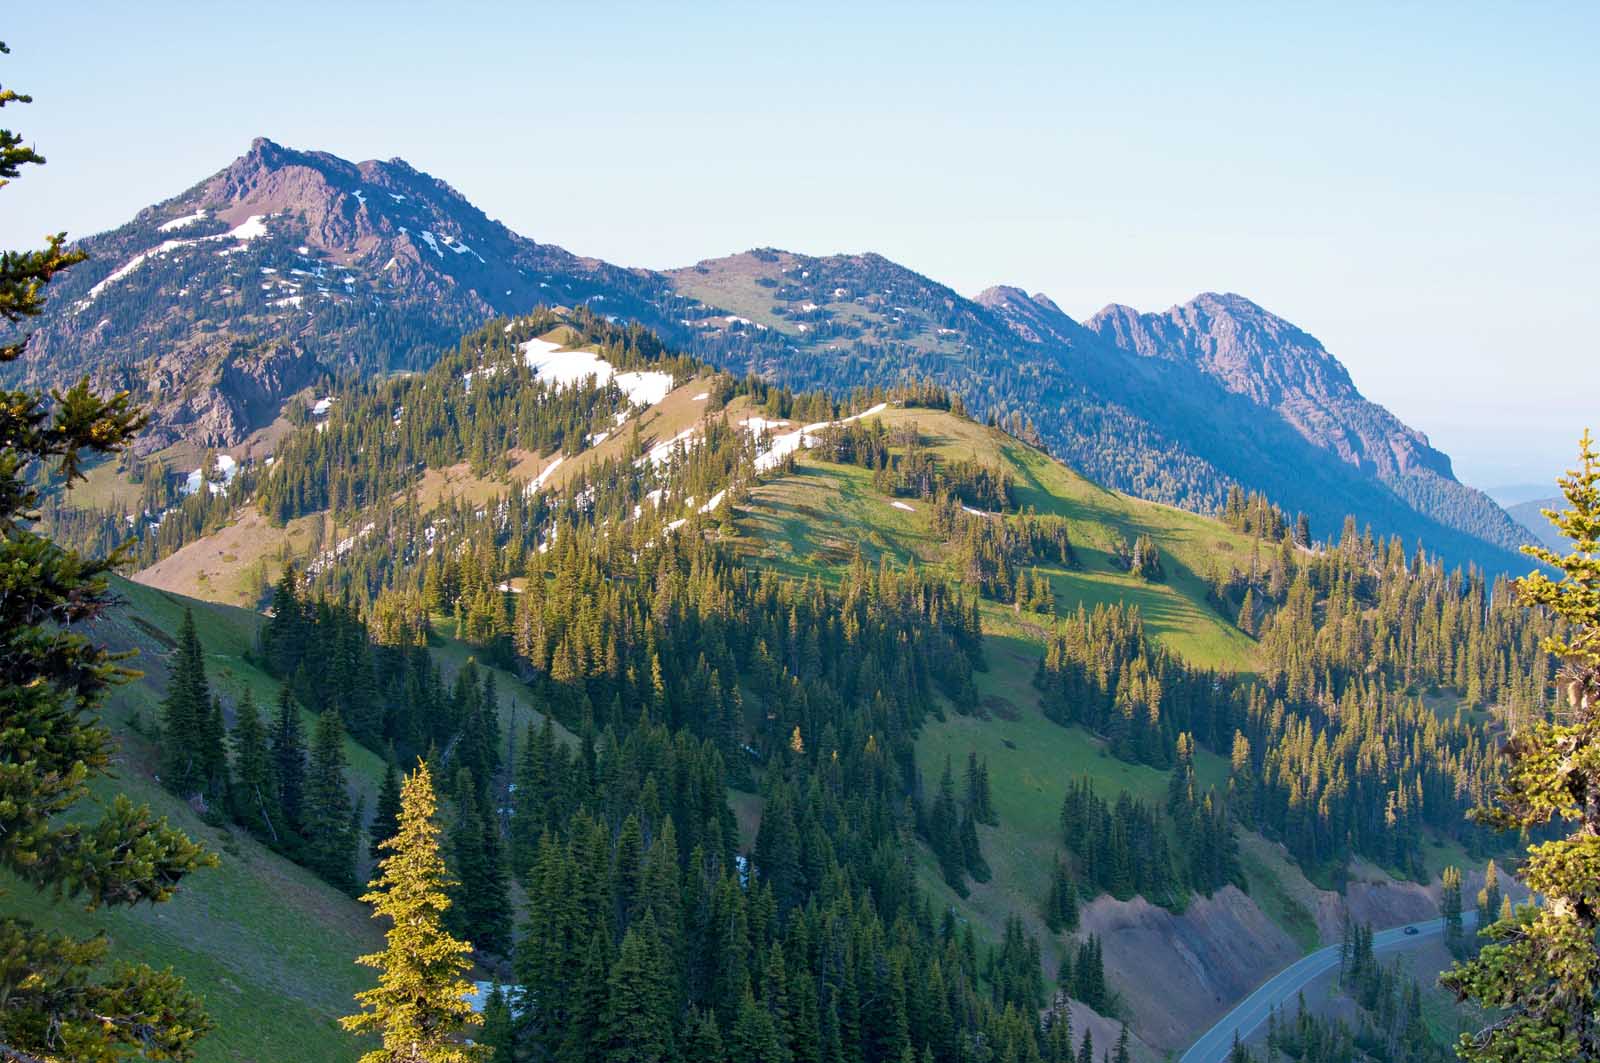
330,842
419,1007
67,997
1540,967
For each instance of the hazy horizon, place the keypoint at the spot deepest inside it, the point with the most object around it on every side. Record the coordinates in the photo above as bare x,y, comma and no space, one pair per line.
1415,192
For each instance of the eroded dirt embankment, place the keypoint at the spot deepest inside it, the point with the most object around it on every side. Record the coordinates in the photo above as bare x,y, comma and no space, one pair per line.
1176,973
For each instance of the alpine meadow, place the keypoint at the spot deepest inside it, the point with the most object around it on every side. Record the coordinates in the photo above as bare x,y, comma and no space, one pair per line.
422,643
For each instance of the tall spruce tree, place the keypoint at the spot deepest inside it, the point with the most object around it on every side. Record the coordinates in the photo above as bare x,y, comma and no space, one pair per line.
255,803
1489,895
185,716
499,1027
944,833
419,1005
330,843
386,817
289,762
59,995
480,907
1540,971
638,1019
1450,909
216,781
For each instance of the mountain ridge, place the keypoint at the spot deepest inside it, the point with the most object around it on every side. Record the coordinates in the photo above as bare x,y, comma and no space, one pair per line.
290,267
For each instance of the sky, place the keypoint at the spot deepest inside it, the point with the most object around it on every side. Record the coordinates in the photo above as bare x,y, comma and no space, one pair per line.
1417,185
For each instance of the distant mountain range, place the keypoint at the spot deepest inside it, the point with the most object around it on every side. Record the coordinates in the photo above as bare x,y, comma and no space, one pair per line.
288,267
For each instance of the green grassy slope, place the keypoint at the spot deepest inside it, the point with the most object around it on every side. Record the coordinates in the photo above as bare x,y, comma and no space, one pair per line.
811,522
265,943
269,946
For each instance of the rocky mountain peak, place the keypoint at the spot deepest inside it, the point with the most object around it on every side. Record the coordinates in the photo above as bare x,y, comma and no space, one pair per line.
1278,366
1036,318
999,296
280,267
1249,350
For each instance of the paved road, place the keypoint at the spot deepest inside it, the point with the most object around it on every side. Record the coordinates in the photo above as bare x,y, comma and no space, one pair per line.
1251,1013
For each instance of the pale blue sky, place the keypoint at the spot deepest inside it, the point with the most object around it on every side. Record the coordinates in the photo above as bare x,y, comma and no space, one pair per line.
1417,185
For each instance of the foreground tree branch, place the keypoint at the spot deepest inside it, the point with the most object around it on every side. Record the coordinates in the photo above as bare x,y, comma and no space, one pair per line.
59,998
1541,968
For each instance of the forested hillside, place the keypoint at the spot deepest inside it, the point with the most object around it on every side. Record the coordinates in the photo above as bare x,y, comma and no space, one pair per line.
857,718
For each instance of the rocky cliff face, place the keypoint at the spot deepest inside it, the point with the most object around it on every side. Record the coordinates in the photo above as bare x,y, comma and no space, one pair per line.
1286,374
214,389
1279,367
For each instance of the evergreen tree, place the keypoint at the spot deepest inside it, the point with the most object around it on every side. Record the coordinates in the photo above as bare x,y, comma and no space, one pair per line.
419,1006
386,817
638,1020
971,855
186,731
1489,896
283,638
480,907
754,1037
499,1031
289,762
330,848
1061,902
216,779
704,1041
255,804
1450,909
58,995
1541,967
978,797
1247,612
945,835
582,1037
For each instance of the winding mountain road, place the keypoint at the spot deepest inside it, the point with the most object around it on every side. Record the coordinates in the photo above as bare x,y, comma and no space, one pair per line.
1251,1013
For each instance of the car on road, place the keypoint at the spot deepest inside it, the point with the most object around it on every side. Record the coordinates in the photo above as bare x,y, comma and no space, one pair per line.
1411,930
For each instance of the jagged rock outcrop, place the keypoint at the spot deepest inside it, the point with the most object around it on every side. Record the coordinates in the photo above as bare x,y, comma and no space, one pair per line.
213,390
1283,370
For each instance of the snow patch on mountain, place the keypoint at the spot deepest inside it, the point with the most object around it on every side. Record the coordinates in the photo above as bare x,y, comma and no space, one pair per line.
789,442
227,469
661,453
251,228
564,369
179,223
537,483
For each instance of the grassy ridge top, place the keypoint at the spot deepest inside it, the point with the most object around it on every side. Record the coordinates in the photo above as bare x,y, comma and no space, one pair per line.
811,522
